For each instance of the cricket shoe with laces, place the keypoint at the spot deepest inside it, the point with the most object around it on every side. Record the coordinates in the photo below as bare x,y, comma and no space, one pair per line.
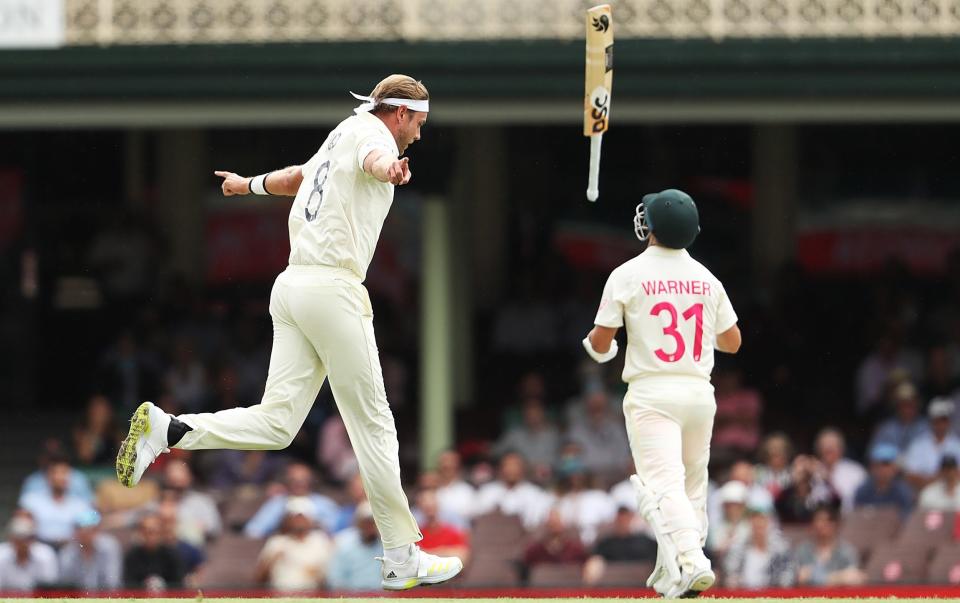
419,569
146,440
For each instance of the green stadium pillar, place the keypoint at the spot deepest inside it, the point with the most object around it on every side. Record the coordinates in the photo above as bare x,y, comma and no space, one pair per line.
436,331
775,193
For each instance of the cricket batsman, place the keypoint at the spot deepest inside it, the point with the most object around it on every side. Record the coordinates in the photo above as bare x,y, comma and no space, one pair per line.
676,314
323,323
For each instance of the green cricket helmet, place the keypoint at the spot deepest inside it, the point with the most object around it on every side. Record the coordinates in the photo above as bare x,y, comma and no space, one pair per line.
671,215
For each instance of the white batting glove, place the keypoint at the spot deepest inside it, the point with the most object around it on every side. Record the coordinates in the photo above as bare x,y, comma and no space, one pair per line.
601,358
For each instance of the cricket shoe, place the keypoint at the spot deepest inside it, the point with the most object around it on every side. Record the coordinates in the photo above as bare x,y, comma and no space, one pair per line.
146,440
693,581
419,569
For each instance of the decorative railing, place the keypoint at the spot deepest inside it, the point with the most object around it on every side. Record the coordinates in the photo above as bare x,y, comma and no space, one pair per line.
257,21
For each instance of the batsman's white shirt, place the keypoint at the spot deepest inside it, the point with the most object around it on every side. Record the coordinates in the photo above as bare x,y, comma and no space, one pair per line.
339,210
673,308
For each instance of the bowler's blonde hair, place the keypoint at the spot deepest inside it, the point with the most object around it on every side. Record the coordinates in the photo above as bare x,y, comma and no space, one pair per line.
397,86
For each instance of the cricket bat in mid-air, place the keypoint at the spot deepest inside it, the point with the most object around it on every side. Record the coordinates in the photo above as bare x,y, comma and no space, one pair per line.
597,88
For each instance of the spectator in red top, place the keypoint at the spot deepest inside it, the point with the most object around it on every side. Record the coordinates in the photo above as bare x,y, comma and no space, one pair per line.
559,544
439,538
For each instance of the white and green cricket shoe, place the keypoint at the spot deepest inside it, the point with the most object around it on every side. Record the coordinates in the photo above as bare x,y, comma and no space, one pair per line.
420,569
146,440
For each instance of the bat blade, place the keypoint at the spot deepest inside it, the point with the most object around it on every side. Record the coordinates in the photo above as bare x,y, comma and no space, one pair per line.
599,70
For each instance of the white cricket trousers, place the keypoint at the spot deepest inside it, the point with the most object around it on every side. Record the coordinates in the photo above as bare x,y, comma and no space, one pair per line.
322,327
669,424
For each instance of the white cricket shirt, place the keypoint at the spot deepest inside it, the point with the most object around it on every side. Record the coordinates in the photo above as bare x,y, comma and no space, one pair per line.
339,210
673,308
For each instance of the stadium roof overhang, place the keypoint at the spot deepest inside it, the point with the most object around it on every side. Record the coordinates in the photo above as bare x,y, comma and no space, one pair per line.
692,80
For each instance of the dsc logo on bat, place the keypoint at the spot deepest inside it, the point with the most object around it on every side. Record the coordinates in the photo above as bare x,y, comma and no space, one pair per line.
599,108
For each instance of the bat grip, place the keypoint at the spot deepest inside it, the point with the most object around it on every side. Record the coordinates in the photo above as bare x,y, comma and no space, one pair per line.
593,178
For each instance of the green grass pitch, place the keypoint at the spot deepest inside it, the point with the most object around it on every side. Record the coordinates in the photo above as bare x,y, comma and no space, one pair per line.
470,600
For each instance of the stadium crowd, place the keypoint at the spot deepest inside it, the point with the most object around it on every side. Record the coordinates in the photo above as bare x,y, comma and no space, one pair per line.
775,521
537,480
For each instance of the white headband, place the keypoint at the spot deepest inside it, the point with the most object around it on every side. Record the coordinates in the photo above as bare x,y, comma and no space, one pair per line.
369,103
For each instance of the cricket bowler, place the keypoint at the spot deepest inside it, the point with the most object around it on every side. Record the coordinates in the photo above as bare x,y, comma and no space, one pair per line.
676,313
323,323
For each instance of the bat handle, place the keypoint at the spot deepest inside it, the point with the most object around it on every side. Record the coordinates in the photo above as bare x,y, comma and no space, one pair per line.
593,178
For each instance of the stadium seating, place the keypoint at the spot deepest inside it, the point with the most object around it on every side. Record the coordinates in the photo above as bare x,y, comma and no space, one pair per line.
867,527
625,574
945,566
230,562
926,528
490,571
893,563
556,575
500,534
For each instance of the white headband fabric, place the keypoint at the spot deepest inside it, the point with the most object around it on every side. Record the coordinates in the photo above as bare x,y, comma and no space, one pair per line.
369,103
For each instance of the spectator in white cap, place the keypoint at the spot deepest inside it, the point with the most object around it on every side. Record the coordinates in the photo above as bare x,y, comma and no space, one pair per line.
907,423
296,559
25,564
922,460
732,523
943,494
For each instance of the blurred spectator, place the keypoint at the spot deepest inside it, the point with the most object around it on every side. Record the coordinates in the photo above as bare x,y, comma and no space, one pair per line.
190,555
733,522
759,558
736,427
299,482
827,560
906,424
78,486
923,457
92,560
231,468
513,495
439,538
536,439
773,472
297,559
198,517
808,490
95,438
186,379
623,542
354,564
55,512
151,563
884,488
843,474
943,494
580,506
355,496
874,373
940,381
529,314
128,374
26,564
557,544
601,436
334,451
454,495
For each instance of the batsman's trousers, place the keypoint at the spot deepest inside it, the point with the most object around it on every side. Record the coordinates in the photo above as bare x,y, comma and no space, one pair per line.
669,424
322,327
